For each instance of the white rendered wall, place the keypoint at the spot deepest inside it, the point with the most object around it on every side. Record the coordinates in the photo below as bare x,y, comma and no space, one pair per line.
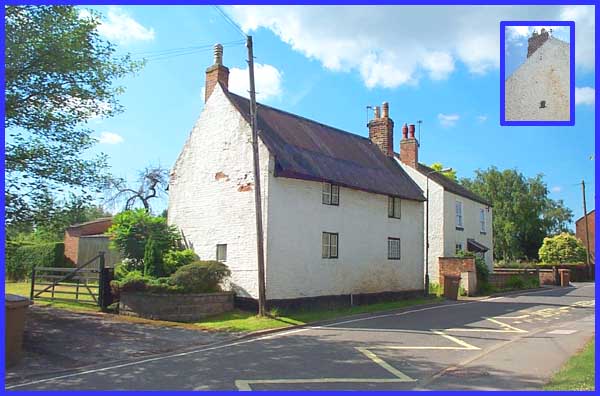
471,226
210,198
297,219
543,76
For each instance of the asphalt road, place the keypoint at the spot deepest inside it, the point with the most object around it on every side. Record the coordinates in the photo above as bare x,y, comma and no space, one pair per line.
509,342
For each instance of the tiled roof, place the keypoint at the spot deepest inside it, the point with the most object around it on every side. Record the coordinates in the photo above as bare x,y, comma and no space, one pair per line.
451,185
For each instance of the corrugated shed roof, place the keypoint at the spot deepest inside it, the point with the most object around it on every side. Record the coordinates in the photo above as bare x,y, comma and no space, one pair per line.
451,185
306,149
100,220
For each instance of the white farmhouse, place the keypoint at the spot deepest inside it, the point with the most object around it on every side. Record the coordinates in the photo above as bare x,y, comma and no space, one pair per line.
540,88
342,219
458,218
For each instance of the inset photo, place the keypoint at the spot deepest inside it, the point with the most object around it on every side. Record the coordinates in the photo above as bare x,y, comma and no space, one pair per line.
537,66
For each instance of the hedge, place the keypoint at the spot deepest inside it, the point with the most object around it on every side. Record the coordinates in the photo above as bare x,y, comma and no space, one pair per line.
21,258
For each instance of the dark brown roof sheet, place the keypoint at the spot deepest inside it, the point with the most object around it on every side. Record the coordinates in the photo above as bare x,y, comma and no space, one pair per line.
306,149
100,220
451,185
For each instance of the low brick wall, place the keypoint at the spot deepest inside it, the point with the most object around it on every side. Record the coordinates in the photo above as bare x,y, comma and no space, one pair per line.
455,266
174,307
500,276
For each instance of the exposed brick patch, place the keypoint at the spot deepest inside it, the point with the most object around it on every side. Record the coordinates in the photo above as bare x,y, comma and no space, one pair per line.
215,74
245,187
221,176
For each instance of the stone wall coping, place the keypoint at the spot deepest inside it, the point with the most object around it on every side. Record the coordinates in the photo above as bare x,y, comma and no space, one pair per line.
226,293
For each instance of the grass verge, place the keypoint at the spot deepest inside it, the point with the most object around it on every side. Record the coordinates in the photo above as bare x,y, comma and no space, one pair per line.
242,321
577,374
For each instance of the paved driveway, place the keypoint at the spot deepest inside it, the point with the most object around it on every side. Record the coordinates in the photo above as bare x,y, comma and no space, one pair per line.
510,342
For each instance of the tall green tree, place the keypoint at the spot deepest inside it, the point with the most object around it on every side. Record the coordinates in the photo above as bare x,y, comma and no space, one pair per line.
523,213
59,75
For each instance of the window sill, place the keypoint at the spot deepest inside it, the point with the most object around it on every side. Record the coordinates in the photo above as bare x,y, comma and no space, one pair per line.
394,259
394,217
460,228
482,233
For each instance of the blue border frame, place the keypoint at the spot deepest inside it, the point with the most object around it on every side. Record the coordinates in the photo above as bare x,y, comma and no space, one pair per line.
571,121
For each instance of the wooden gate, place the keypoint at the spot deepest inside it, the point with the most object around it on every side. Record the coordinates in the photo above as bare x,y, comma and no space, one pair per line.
87,283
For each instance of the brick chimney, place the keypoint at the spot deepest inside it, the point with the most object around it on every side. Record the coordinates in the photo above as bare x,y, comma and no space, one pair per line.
216,73
536,41
409,146
381,130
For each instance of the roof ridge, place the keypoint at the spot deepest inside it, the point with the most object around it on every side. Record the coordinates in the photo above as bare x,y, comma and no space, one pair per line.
304,118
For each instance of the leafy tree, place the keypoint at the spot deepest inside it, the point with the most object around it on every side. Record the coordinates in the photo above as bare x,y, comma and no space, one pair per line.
449,174
523,213
59,74
153,182
132,229
562,248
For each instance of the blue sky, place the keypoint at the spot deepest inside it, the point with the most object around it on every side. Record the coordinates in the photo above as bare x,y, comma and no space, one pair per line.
444,72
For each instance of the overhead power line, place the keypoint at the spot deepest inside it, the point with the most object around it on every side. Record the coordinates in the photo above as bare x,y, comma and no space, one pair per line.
230,21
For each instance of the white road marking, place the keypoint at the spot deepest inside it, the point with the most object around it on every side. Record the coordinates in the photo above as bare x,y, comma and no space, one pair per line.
562,332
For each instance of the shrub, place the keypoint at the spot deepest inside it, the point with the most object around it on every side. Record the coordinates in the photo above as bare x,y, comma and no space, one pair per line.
515,282
132,229
562,248
485,288
153,266
174,259
481,268
24,257
435,288
200,277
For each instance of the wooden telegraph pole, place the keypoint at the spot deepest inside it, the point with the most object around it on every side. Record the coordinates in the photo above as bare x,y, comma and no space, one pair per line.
587,232
257,195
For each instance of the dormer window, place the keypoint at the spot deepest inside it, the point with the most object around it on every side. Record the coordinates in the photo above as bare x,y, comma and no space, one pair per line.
330,194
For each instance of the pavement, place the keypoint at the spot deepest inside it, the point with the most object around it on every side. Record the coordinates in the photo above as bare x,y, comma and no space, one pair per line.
511,342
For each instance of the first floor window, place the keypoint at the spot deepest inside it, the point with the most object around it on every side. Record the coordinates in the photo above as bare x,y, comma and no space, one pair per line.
482,220
331,194
394,206
459,214
393,249
330,245
222,252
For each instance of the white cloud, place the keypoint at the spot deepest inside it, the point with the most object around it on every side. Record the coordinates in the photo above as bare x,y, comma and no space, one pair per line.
482,118
118,26
267,80
394,45
556,189
110,138
448,120
585,95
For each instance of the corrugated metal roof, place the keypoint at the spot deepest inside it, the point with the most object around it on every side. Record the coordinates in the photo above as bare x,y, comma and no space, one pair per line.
306,149
451,185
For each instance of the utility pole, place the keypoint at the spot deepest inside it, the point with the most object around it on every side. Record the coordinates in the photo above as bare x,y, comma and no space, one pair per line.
257,196
587,232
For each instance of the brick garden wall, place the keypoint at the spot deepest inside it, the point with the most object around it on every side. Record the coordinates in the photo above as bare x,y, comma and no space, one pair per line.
174,307
455,266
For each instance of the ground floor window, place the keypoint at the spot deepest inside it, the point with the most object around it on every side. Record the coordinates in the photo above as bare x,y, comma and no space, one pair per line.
393,249
221,252
330,243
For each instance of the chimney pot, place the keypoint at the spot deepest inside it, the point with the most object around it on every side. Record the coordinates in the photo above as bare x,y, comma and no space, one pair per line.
411,130
386,110
376,113
404,131
218,50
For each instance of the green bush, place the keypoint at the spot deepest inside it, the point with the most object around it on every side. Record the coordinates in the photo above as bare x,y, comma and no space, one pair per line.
153,264
562,248
515,282
435,289
135,281
174,259
485,288
22,258
200,277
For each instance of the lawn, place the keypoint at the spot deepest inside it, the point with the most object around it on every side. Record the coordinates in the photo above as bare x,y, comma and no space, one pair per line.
238,320
24,289
577,374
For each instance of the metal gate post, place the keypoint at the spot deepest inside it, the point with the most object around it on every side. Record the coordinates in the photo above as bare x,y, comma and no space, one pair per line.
32,283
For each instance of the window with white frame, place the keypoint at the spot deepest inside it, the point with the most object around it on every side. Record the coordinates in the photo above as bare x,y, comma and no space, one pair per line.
459,214
482,220
331,194
394,207
330,245
221,252
393,248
